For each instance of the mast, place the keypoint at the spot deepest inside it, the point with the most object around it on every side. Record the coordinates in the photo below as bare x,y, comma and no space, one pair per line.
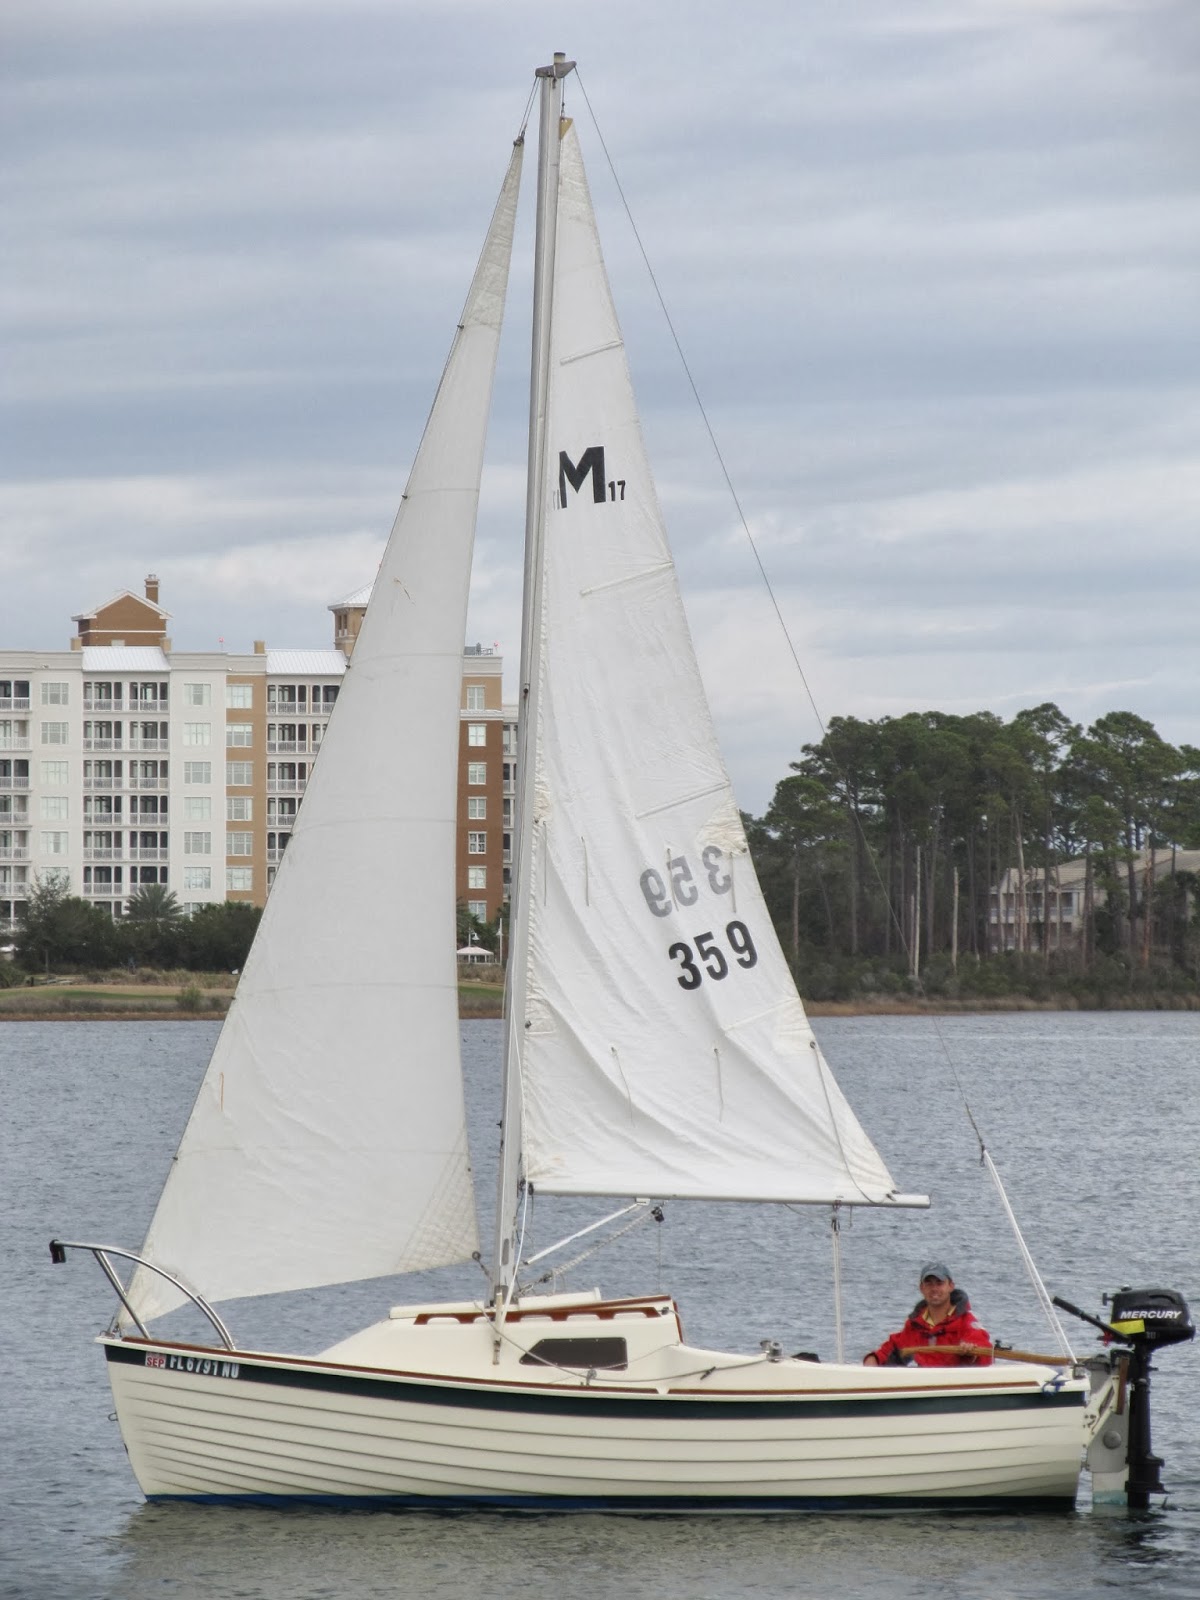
508,1182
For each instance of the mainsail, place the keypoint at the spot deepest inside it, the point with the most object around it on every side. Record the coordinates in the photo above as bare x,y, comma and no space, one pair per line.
662,1047
328,1141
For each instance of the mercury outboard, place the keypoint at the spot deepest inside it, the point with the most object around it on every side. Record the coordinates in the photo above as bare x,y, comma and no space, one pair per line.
1122,1464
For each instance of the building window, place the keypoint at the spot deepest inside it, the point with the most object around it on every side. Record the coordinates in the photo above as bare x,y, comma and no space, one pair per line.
239,877
197,808
477,844
197,877
478,909
476,877
476,732
197,844
475,701
239,808
239,696
239,844
56,733
55,694
55,844
197,694
239,733
239,774
54,808
197,772
476,807
54,773
195,733
476,771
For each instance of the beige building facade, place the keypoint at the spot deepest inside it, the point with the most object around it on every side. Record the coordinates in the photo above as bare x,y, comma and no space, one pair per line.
124,762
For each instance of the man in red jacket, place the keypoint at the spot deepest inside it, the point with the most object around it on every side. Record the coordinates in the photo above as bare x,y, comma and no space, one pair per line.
941,1318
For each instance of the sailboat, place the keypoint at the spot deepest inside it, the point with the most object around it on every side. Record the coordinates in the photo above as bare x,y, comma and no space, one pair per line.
655,1045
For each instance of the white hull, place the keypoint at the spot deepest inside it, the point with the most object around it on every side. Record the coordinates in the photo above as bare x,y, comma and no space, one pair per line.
210,1424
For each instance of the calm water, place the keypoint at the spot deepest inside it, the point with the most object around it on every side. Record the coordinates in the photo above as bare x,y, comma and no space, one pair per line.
1094,1121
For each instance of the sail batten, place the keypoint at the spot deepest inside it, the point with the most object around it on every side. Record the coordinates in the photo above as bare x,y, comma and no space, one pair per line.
663,1049
328,1140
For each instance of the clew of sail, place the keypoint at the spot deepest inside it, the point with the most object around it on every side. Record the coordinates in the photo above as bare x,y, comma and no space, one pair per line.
328,1141
663,1049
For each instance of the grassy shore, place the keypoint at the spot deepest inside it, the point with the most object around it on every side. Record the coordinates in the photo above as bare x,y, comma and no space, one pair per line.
205,997
208,996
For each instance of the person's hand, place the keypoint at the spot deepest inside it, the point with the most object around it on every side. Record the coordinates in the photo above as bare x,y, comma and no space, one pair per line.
870,1361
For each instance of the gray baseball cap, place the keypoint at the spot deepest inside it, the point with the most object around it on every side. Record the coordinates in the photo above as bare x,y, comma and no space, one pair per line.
936,1269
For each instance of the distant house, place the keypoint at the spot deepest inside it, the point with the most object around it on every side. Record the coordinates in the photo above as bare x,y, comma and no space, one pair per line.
1016,917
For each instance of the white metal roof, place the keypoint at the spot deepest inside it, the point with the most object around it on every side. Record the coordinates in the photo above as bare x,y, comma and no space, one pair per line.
306,663
358,598
124,658
121,594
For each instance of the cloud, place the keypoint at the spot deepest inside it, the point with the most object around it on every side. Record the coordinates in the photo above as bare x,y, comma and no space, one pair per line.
932,267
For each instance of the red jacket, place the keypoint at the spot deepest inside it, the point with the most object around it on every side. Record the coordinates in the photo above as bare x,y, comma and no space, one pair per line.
918,1340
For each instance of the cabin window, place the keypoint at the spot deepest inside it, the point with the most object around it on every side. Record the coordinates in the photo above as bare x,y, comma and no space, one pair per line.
475,697
239,696
477,733
476,771
197,772
607,1353
197,694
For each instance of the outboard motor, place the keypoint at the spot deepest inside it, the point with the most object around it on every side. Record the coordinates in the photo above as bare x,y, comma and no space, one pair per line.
1122,1464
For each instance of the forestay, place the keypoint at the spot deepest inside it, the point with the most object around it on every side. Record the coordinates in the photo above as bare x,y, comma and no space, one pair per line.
663,1048
328,1141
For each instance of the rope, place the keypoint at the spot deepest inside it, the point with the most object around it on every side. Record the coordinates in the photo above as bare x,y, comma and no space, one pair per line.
985,1158
1039,1288
655,1214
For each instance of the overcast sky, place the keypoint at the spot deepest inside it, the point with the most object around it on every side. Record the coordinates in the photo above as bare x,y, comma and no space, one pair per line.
934,267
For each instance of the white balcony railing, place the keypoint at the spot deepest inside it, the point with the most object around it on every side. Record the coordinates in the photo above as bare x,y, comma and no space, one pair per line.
14,852
14,780
154,746
286,785
14,702
104,744
103,853
145,853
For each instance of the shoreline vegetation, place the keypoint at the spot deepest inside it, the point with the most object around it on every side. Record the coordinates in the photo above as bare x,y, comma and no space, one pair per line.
203,997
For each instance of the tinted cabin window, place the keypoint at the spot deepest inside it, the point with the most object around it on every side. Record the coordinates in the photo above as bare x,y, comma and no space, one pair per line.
576,1353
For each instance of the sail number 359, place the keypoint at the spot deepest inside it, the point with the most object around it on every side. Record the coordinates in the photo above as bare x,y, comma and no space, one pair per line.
701,956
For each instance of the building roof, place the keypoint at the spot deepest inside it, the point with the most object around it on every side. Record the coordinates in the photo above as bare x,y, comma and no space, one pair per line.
358,598
121,594
306,663
124,658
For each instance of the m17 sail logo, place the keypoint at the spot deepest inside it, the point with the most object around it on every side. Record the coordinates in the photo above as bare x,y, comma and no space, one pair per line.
575,475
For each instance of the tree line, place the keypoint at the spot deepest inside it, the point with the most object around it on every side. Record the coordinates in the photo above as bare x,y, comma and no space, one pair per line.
61,932
918,847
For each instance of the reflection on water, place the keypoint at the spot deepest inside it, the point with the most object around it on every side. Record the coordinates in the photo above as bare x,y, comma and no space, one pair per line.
165,1549
1092,1119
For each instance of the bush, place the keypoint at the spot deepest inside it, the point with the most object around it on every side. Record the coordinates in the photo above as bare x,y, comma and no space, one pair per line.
190,998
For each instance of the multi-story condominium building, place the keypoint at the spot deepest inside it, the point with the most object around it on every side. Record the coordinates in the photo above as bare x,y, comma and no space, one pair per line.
124,762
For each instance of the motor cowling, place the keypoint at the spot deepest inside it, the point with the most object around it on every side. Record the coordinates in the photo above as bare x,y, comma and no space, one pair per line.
1150,1318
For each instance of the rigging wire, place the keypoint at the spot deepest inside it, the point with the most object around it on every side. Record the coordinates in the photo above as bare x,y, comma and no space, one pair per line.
985,1158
